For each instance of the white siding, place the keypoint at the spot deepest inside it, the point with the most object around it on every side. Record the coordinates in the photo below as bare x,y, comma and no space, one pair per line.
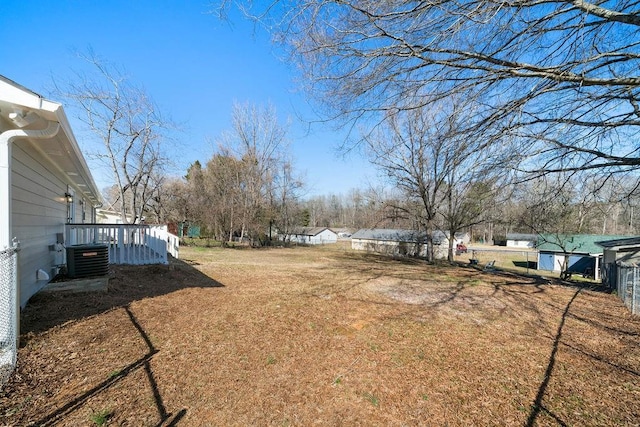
558,260
39,212
520,244
326,236
299,238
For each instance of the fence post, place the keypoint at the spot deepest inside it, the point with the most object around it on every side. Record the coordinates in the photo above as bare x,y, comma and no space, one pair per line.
16,294
619,282
634,297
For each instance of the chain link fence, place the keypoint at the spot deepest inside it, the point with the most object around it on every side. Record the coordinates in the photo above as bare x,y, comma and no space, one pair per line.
8,311
628,286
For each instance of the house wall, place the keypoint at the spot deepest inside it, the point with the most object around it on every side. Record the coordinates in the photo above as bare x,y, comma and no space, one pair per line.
609,268
442,251
609,257
550,261
463,238
324,237
388,247
104,217
298,238
39,212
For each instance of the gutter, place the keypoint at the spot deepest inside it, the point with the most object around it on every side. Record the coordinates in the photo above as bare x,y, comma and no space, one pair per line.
93,188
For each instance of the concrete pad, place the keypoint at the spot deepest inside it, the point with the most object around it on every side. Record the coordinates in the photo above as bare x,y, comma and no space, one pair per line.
78,285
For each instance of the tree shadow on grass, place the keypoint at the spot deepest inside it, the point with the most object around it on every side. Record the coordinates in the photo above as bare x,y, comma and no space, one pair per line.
533,265
127,283
165,418
538,406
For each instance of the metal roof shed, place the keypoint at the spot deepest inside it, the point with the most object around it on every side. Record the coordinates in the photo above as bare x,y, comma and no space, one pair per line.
579,250
617,252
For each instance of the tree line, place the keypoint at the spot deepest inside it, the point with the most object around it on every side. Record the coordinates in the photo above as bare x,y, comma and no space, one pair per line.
247,190
459,102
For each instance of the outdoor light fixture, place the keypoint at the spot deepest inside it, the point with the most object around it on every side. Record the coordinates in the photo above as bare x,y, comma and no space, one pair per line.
68,197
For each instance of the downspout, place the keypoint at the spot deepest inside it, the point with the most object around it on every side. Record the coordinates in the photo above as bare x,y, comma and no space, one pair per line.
6,139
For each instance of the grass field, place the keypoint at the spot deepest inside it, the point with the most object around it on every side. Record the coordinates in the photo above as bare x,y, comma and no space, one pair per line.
325,336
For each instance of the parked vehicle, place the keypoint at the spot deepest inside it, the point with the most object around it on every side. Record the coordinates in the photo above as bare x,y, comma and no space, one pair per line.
461,249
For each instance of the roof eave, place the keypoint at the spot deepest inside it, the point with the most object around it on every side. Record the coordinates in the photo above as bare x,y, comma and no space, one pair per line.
78,175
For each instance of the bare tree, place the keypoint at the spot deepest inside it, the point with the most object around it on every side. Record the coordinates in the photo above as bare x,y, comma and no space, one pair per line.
285,194
558,78
196,200
260,142
435,167
224,183
212,195
131,129
466,203
249,185
169,202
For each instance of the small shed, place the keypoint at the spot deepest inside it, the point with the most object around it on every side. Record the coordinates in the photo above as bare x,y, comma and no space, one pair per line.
581,252
312,235
618,252
521,240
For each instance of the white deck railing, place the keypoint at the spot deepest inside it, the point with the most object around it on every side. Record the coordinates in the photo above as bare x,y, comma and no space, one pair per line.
128,244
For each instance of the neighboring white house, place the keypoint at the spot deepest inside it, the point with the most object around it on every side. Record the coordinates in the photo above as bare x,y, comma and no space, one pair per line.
399,242
343,233
44,183
521,240
312,235
104,216
441,238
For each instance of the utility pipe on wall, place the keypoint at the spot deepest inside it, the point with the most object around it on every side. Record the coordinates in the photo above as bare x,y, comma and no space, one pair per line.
6,140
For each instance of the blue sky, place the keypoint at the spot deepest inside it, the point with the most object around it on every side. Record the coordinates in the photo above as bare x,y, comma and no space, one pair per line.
191,63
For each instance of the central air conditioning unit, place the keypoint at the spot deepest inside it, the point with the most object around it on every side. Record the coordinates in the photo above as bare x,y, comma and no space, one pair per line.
87,260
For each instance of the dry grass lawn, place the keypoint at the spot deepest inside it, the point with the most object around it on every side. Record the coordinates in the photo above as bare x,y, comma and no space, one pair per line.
324,336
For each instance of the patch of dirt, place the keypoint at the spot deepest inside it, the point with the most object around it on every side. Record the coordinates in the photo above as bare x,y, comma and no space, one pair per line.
465,299
323,336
